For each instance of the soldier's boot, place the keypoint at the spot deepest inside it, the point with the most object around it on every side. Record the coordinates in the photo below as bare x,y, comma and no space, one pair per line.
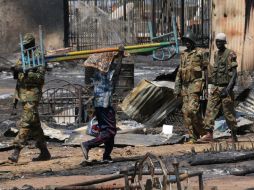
207,137
193,137
15,155
44,154
192,141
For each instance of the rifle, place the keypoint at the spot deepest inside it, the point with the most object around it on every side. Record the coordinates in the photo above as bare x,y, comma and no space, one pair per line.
205,73
204,95
15,100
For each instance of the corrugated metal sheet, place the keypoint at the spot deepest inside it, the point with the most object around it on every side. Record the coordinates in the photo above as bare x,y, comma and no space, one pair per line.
248,51
236,20
150,102
247,106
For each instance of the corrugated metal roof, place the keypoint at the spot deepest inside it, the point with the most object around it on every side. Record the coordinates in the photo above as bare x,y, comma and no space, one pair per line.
150,102
248,51
236,20
247,106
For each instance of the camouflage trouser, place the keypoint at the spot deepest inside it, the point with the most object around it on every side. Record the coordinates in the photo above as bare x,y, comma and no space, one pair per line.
192,116
29,125
215,103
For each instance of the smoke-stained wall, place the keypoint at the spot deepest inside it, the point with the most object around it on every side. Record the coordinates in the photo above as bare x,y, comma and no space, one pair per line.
21,16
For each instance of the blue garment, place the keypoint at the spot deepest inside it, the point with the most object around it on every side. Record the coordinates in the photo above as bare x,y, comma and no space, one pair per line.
103,87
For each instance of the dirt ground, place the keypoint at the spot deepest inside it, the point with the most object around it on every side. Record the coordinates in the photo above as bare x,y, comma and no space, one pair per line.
65,167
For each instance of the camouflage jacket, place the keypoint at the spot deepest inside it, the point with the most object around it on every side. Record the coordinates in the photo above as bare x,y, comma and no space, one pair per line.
29,85
190,76
222,68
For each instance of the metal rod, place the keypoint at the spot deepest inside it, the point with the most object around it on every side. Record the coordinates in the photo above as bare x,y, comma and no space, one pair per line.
202,20
126,180
93,187
185,176
100,187
182,17
80,107
176,169
66,23
140,46
144,48
57,116
190,174
33,58
95,181
41,45
175,31
153,17
125,19
28,59
200,181
78,26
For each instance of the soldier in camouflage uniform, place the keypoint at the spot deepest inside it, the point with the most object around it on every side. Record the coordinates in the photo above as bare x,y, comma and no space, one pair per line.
223,77
189,84
29,91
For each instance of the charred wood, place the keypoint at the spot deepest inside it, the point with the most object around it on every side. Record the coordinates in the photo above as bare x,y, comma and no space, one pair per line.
221,157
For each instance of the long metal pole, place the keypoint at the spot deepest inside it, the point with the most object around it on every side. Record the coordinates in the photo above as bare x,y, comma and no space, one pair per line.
125,18
149,45
176,169
78,27
143,48
85,56
182,17
66,23
41,45
22,53
200,182
154,17
95,181
202,21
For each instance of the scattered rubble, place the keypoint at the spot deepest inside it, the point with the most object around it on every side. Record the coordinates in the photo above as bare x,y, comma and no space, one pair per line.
128,139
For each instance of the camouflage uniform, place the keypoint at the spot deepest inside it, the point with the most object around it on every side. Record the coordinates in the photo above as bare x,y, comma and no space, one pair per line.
29,92
189,83
221,75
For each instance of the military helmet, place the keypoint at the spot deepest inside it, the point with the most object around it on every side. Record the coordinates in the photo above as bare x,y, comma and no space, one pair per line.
221,36
189,36
28,38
